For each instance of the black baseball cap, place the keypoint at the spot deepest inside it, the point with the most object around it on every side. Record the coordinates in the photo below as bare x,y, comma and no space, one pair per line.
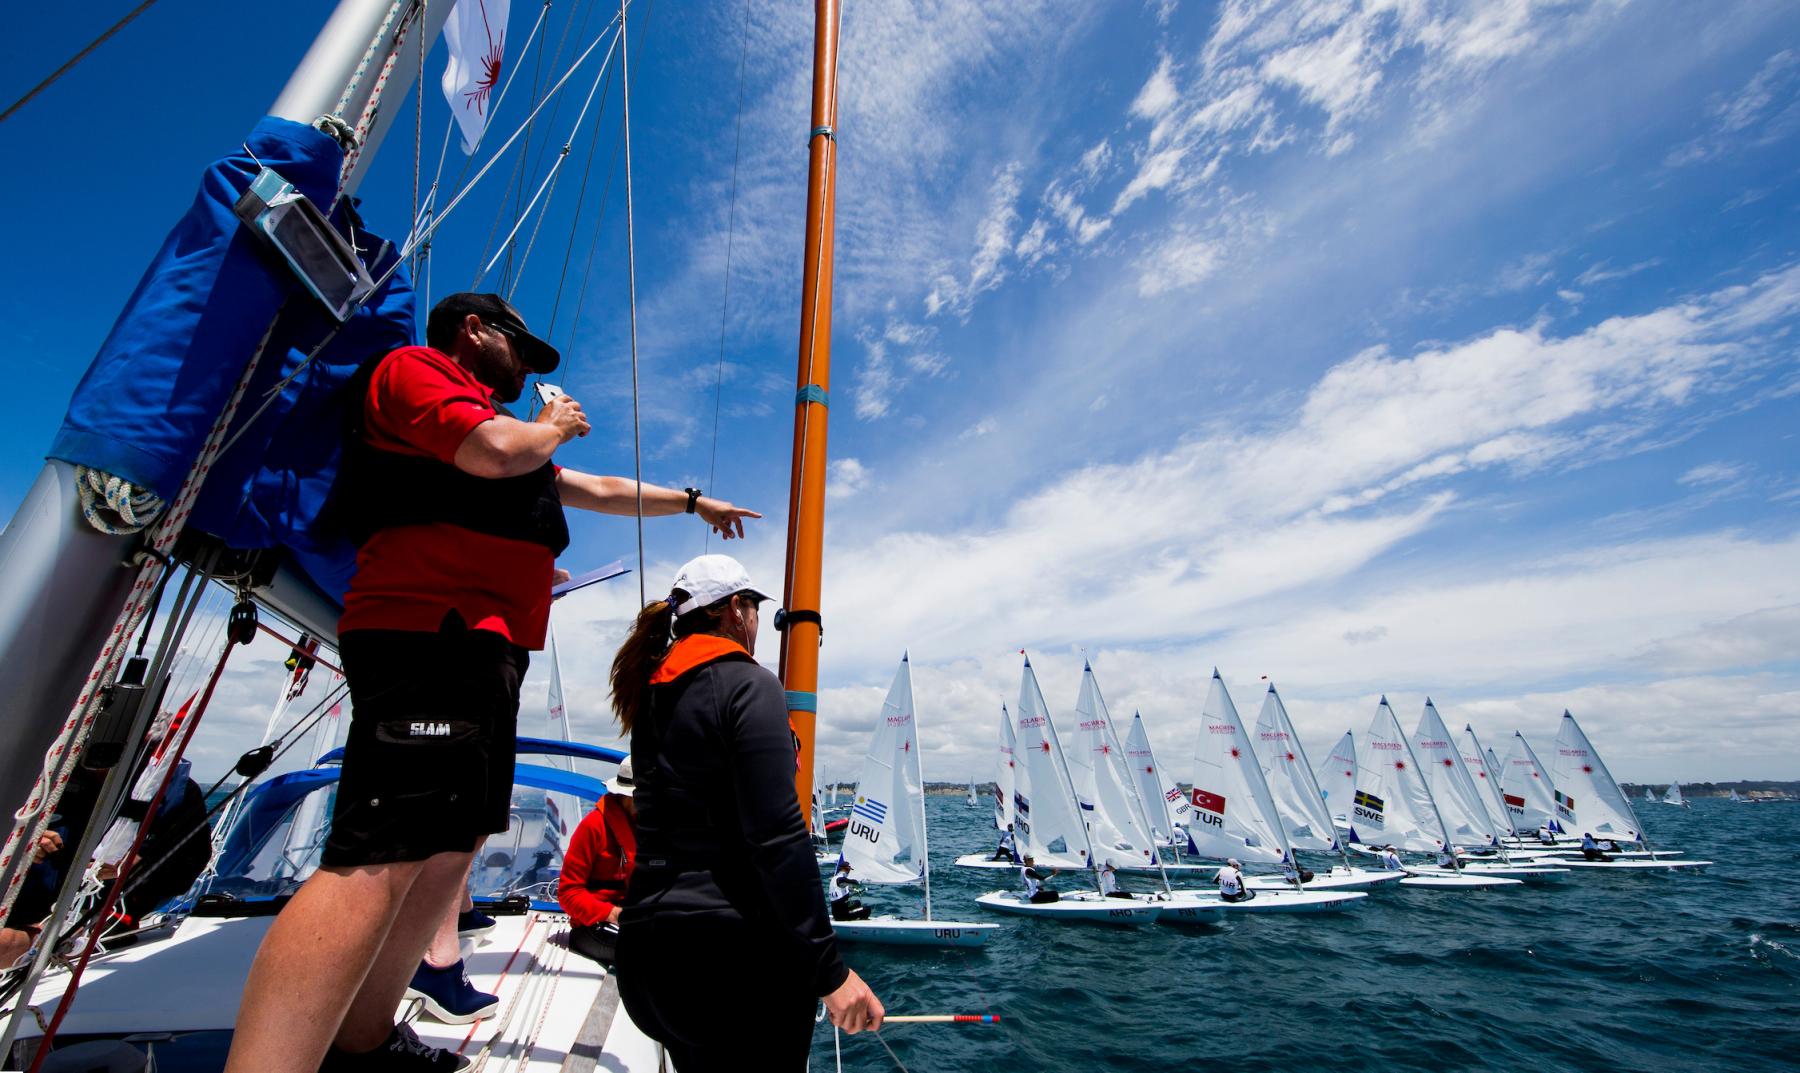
496,312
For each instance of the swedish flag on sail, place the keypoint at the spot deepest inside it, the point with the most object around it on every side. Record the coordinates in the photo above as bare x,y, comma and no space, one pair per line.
870,809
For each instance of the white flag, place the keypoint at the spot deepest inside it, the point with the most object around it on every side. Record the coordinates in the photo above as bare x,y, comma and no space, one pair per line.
476,37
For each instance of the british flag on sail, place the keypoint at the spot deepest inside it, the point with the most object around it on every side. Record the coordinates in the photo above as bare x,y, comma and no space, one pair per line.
476,38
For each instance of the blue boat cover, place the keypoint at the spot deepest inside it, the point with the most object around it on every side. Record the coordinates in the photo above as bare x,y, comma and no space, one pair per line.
266,806
148,401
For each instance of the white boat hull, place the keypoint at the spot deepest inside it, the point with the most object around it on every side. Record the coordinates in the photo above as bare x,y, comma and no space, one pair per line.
1272,901
1336,879
892,931
1091,908
1436,879
983,860
1660,864
1529,873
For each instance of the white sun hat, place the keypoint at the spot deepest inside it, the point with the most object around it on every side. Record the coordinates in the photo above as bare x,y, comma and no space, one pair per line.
709,579
622,782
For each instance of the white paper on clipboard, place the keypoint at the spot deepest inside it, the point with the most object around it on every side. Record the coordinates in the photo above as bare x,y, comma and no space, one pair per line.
592,577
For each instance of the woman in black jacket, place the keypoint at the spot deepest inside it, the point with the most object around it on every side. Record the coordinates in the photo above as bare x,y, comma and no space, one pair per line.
725,945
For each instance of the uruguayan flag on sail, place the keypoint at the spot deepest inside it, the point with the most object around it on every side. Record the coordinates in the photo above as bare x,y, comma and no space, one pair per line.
870,809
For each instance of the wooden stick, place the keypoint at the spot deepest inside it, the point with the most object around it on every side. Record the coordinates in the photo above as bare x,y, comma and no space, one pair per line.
942,1019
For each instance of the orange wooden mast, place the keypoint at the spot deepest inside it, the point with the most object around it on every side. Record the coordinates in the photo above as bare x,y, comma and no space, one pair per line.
802,628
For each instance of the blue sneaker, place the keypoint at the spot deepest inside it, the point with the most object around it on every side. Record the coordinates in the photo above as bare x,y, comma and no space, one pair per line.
473,922
449,996
404,1050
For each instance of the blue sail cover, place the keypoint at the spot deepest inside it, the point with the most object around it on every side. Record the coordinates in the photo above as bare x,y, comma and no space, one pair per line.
148,401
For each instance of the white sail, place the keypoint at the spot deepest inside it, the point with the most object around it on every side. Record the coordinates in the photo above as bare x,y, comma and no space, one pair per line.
1734,798
1229,812
1149,778
972,801
1290,779
1118,830
1673,796
1459,800
1336,777
1587,798
1005,781
1487,779
1392,805
884,841
562,812
1525,786
1649,794
1046,819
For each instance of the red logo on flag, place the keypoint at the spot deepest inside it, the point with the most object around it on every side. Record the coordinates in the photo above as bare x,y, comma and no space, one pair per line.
1206,799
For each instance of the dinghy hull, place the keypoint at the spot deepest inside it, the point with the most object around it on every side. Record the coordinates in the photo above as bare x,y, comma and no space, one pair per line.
891,931
1433,879
1273,901
1660,864
1336,879
1088,908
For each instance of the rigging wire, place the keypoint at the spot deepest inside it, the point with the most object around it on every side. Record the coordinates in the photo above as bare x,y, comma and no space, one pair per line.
637,443
548,186
712,468
575,221
537,81
420,238
69,64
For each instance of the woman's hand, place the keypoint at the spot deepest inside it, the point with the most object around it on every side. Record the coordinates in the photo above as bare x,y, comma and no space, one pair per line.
853,1007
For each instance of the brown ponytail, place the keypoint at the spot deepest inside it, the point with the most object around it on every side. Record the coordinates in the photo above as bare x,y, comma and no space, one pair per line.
637,660
644,649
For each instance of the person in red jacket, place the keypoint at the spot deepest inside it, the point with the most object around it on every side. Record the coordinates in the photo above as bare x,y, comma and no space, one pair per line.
596,867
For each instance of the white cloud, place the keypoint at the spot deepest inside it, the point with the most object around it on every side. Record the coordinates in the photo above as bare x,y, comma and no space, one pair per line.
845,477
1600,272
1158,94
1181,260
1762,111
1711,473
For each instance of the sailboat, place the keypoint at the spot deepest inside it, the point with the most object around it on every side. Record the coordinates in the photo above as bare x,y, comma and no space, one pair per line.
1733,797
1155,792
1460,804
1005,800
1675,797
1526,789
1480,764
1336,776
1393,806
1230,813
972,801
1049,824
226,319
886,840
1589,801
1650,795
1301,806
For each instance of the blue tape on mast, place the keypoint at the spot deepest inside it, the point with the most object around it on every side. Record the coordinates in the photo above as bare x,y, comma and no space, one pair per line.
827,131
812,393
802,702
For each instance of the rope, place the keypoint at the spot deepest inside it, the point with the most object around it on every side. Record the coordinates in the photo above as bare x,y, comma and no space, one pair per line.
368,57
113,505
712,468
112,896
34,816
366,121
637,443
73,60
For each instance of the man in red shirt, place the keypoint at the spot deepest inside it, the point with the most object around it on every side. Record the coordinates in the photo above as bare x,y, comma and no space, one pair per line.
458,512
597,867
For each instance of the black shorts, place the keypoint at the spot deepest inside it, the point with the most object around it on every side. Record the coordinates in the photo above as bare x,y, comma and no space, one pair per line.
428,765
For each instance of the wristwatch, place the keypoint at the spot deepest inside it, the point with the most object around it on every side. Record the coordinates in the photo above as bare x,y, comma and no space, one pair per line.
693,497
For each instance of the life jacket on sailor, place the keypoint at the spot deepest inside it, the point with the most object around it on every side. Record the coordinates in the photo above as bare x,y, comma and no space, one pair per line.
380,489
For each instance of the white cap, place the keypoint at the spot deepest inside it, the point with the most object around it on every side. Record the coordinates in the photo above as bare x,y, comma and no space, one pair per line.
622,782
709,579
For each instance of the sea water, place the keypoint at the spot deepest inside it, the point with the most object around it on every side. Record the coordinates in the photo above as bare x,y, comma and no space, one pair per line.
1602,971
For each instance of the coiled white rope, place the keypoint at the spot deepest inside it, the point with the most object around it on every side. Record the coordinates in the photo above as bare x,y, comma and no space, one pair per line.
112,504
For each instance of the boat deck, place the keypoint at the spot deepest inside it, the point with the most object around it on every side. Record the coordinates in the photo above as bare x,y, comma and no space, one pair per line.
559,1012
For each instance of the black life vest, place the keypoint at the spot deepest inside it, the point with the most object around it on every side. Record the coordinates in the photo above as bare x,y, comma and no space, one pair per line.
379,489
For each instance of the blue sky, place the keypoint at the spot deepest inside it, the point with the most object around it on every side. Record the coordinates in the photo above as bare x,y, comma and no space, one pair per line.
1407,347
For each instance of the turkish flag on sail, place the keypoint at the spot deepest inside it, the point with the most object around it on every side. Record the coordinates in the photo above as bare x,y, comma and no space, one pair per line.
1206,799
476,37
